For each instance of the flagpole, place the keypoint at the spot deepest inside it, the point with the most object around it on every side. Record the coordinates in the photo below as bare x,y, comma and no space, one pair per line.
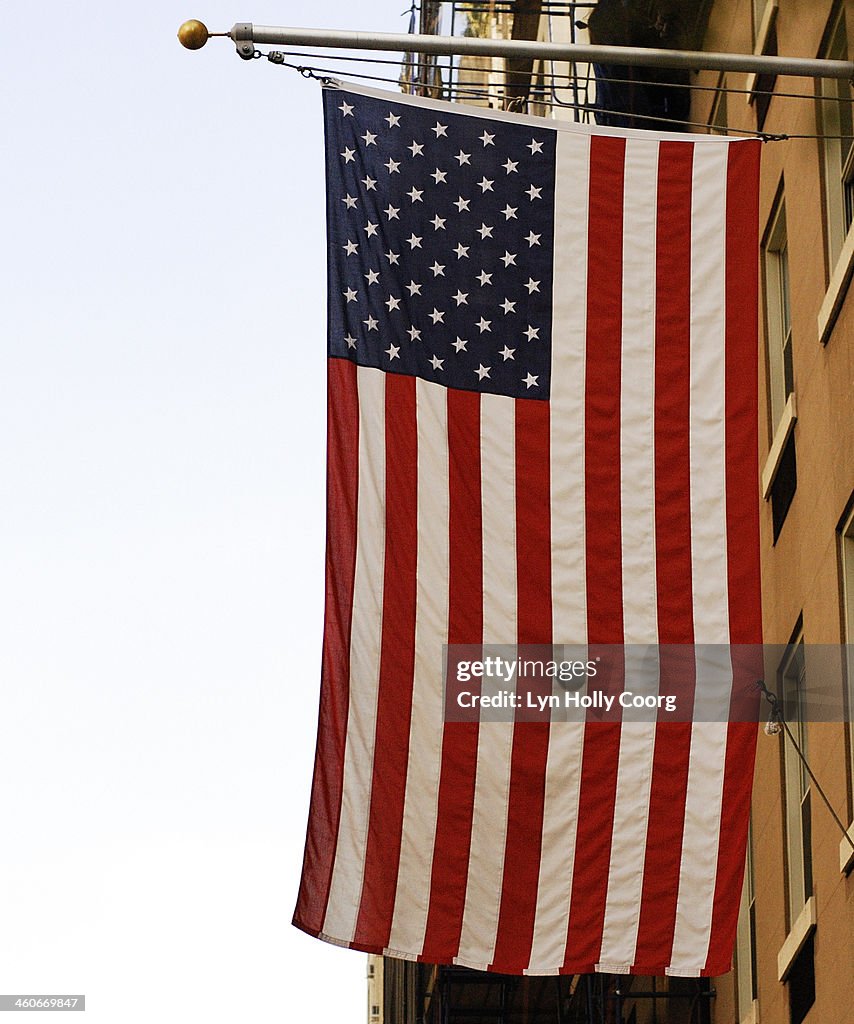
246,36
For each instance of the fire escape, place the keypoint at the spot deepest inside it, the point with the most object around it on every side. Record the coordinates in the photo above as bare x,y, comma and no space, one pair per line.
626,97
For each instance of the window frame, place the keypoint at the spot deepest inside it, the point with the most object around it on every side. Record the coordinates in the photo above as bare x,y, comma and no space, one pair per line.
746,987
763,12
833,98
778,312
846,567
797,790
781,405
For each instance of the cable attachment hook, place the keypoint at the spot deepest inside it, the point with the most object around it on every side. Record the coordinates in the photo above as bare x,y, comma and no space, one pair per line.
774,725
307,72
243,36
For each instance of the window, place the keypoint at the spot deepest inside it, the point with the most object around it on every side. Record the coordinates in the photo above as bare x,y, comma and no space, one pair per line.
763,88
778,315
759,8
780,477
801,982
834,101
792,691
784,486
745,940
847,553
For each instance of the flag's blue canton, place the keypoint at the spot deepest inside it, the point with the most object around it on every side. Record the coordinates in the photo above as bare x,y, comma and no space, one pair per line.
440,230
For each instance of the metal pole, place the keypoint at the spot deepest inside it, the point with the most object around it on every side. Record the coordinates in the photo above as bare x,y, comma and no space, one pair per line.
247,35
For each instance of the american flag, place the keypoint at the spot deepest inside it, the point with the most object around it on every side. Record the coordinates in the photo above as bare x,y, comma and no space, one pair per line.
542,430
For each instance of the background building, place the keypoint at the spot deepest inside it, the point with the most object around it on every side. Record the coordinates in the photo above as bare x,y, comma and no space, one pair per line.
795,956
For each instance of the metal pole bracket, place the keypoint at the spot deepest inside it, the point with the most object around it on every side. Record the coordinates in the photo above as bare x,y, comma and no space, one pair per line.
242,34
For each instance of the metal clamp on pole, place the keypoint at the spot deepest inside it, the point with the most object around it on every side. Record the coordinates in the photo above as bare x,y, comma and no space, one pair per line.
241,33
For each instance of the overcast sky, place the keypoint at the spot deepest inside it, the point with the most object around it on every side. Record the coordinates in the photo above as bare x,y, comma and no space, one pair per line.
162,349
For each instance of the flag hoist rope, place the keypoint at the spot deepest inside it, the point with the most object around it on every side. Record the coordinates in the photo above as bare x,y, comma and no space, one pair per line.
245,35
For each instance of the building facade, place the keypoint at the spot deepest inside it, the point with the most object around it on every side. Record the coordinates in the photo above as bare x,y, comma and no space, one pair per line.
795,951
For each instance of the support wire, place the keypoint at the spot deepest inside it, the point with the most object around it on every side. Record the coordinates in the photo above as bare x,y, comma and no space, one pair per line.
777,717
324,73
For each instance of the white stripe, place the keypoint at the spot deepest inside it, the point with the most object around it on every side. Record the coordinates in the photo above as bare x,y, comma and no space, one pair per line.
492,781
628,843
431,632
569,591
365,644
637,394
700,844
708,557
637,512
707,400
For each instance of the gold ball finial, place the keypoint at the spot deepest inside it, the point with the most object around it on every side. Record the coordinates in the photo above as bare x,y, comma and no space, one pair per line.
193,34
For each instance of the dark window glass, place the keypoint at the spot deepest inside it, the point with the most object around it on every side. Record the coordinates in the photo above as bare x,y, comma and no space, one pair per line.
765,83
754,967
801,982
784,486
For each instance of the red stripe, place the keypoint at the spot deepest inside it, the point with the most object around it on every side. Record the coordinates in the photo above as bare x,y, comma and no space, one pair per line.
604,541
342,488
742,412
742,513
465,626
732,850
397,665
669,784
530,738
